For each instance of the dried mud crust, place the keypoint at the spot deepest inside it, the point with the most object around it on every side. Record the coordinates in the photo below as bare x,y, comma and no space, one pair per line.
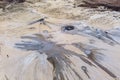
65,47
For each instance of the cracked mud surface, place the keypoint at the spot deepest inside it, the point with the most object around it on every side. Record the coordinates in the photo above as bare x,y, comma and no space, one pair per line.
70,44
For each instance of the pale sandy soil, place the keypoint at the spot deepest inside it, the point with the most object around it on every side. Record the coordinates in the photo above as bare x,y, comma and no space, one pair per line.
56,54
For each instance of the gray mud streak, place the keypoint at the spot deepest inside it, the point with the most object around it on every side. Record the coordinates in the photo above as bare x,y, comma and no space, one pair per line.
93,55
94,32
57,56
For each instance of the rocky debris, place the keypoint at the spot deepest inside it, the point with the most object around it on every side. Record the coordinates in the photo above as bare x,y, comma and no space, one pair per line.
14,1
114,4
4,4
35,1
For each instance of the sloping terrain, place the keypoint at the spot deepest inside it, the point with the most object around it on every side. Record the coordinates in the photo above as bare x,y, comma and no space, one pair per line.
52,40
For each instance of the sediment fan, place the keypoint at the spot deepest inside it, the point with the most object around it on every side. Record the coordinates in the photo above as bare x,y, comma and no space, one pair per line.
52,61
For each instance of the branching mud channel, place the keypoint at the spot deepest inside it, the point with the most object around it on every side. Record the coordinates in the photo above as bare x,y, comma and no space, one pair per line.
51,41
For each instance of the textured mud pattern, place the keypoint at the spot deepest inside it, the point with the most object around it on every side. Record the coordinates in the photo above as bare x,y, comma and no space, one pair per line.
53,40
62,60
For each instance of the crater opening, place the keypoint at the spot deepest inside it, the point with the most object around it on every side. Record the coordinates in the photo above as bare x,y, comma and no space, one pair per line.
69,27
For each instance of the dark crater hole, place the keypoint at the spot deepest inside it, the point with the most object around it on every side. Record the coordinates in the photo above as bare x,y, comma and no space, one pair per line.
69,27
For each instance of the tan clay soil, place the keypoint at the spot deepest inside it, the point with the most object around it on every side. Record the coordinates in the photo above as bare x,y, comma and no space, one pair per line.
48,52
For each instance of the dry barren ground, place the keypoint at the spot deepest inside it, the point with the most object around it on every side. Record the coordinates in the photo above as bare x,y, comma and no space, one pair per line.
70,44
